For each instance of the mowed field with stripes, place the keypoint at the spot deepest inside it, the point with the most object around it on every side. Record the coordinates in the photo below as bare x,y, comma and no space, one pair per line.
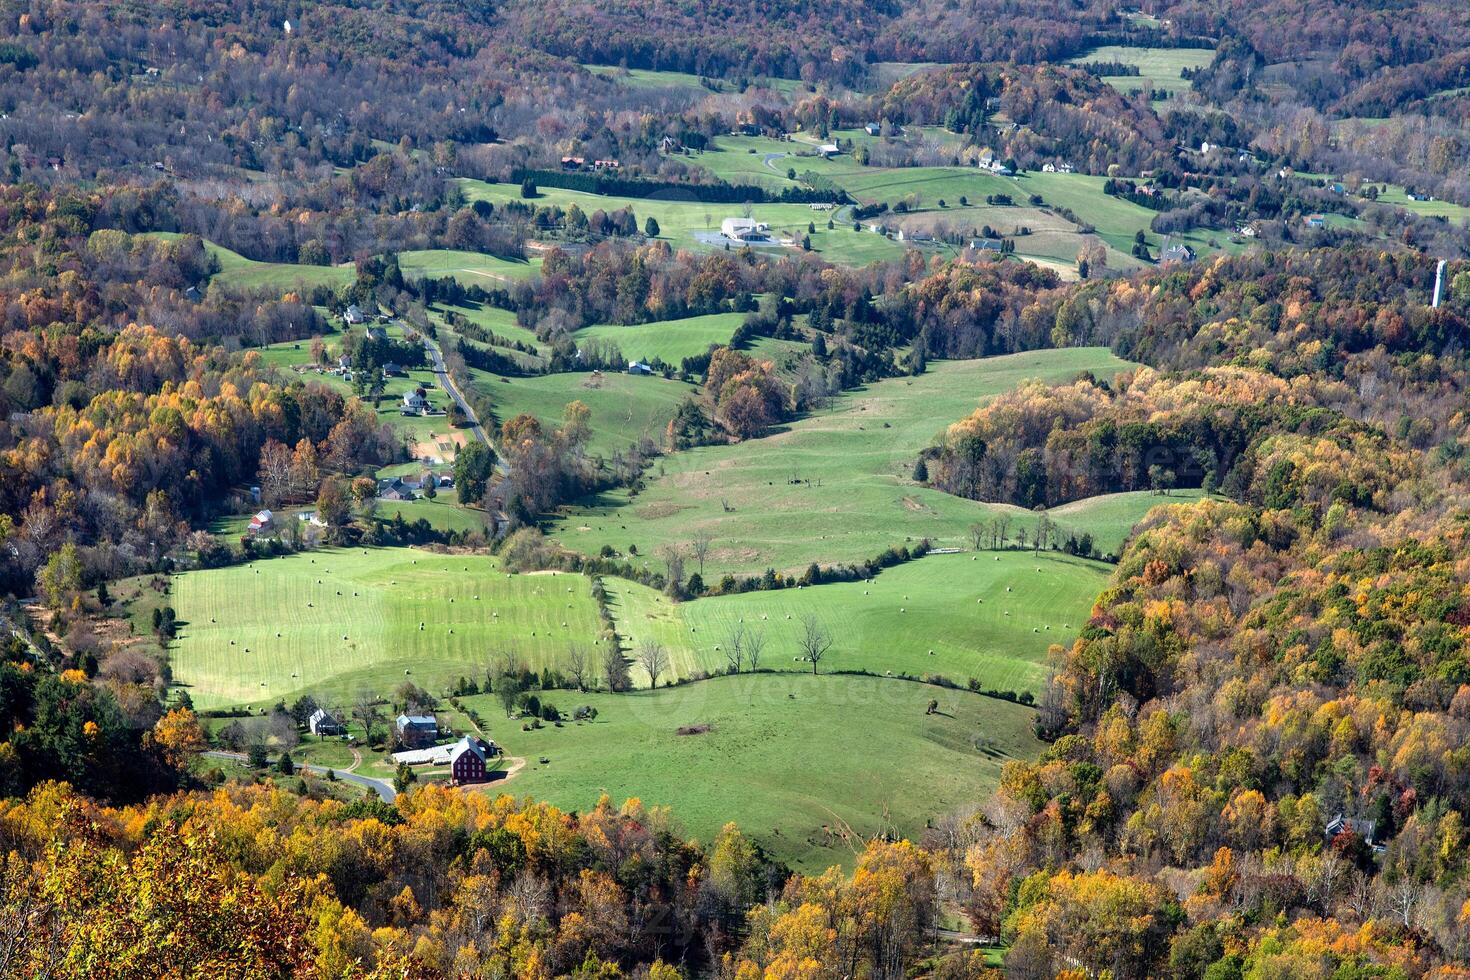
334,622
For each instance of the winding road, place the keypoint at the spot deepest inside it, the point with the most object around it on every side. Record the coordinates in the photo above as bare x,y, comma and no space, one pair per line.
441,373
382,787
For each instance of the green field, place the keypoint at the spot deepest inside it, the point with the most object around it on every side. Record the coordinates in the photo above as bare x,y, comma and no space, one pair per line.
236,271
644,78
787,757
625,408
832,487
1159,68
470,610
668,340
682,222
1053,240
470,268
1109,518
987,615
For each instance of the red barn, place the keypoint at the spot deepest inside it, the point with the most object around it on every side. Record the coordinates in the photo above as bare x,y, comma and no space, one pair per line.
469,762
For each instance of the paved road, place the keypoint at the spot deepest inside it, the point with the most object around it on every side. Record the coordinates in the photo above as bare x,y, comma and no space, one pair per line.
382,787
436,360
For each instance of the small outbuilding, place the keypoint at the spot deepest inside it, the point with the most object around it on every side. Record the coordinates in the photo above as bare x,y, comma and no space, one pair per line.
416,731
324,725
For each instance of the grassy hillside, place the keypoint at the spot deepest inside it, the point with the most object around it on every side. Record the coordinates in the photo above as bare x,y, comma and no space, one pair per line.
797,761
669,340
470,268
235,270
624,408
256,633
990,616
1158,67
835,486
691,224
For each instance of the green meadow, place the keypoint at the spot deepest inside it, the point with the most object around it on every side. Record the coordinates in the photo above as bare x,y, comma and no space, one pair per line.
624,407
809,766
469,268
335,622
835,486
1160,68
668,340
236,271
683,223
989,615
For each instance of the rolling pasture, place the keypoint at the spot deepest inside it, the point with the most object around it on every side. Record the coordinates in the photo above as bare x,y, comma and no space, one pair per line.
691,224
987,615
1160,68
625,408
334,622
834,486
809,766
237,271
469,268
669,340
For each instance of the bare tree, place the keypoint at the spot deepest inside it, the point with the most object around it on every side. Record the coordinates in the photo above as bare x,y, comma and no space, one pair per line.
815,640
1002,530
615,669
755,644
654,659
978,534
578,665
365,710
700,548
673,559
734,648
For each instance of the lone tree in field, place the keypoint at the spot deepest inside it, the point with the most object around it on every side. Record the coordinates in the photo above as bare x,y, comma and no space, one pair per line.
615,669
815,640
365,710
699,547
978,534
673,559
579,665
742,648
654,659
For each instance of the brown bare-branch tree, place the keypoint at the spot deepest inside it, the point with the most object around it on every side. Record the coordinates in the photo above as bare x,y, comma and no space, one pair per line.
578,663
654,659
815,640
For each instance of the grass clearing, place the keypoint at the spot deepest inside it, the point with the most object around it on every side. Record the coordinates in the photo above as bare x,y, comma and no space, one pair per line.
794,760
835,486
987,615
695,225
625,408
302,636
469,268
668,340
236,271
1159,68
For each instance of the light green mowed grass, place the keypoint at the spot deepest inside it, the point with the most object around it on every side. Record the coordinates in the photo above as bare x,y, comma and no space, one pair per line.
624,408
469,268
833,487
987,615
349,620
1159,67
237,271
787,757
682,222
668,340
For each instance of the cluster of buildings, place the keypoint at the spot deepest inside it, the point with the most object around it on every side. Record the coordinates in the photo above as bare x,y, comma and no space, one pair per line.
580,163
469,759
409,488
745,230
